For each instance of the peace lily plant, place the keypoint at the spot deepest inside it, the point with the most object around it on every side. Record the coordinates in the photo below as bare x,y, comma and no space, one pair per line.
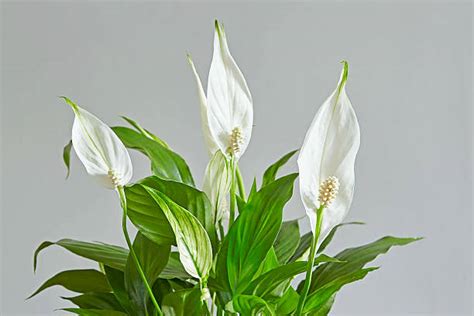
217,251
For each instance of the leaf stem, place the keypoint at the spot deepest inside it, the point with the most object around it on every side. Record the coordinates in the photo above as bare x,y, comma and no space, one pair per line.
123,202
312,254
233,200
240,183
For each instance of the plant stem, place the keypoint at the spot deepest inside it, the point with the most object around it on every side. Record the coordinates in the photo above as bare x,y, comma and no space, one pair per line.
233,200
312,254
240,183
123,202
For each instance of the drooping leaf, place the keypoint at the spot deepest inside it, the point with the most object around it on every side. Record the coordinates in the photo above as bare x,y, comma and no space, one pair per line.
92,300
113,256
67,157
93,312
190,198
152,258
254,232
319,298
165,163
355,258
184,303
116,280
331,234
81,281
250,305
174,269
194,246
287,241
303,248
147,215
145,132
271,172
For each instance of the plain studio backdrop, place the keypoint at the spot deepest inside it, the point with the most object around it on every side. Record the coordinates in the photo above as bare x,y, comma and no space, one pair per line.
409,81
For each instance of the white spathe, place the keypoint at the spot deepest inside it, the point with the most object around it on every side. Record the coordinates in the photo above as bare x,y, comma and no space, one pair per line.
227,108
329,149
101,152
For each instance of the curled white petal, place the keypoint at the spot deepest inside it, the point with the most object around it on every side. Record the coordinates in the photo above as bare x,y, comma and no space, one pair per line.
329,149
229,100
217,181
99,149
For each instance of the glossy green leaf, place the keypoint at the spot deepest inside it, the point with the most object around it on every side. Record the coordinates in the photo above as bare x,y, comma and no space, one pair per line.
81,281
113,256
67,157
286,304
116,280
93,312
184,303
318,299
303,248
271,172
145,132
250,305
101,301
287,241
254,232
193,243
331,234
356,258
270,262
324,309
174,269
152,258
190,198
147,215
165,163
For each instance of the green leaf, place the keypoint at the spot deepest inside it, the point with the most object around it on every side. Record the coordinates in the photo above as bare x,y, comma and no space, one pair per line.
325,308
113,256
165,163
286,304
356,258
184,303
271,172
330,236
287,241
254,232
253,189
67,157
249,305
190,198
93,312
81,281
318,299
270,262
147,215
116,280
303,246
144,132
152,258
174,269
96,301
193,243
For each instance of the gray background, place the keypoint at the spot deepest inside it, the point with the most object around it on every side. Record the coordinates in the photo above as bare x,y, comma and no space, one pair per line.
410,83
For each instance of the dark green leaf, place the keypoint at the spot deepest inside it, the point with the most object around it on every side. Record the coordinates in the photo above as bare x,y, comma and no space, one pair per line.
255,230
152,258
193,200
287,241
330,236
113,256
303,246
116,280
249,305
270,174
355,258
93,312
67,157
81,281
145,132
96,301
165,163
323,294
184,303
174,269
